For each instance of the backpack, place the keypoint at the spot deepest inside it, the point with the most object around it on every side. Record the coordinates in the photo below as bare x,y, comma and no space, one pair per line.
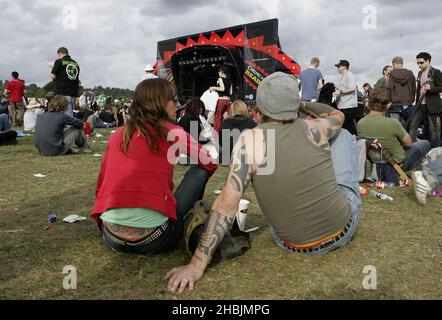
234,244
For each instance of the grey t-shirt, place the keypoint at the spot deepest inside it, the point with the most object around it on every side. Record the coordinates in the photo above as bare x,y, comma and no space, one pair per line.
300,199
347,101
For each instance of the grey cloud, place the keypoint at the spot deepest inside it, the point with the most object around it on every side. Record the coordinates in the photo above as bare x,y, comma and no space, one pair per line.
171,7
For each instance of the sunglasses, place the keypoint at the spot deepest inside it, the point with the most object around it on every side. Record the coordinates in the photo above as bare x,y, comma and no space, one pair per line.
420,62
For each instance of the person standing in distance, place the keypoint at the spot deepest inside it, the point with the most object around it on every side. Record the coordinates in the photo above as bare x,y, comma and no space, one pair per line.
429,87
66,76
347,97
15,90
311,81
149,73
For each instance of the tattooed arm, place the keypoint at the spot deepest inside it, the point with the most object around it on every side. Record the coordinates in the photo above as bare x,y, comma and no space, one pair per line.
220,220
321,131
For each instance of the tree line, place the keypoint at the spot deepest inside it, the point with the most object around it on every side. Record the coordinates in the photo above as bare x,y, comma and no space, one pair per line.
34,91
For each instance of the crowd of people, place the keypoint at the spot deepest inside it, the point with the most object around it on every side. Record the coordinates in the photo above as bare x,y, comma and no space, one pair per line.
297,146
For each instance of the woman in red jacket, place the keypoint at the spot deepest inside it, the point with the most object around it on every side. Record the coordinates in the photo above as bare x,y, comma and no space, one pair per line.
135,207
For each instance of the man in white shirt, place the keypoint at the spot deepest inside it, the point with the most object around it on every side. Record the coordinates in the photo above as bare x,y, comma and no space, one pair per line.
347,96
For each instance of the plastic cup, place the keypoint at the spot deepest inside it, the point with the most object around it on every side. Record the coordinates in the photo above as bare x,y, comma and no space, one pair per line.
241,214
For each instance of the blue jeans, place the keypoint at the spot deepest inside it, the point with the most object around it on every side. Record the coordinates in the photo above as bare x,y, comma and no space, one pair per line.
5,125
400,113
434,169
432,124
415,154
72,101
345,162
190,191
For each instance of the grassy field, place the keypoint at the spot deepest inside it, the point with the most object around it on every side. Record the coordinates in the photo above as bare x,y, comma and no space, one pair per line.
401,239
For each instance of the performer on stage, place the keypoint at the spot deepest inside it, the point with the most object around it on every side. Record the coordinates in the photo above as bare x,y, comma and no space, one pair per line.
225,90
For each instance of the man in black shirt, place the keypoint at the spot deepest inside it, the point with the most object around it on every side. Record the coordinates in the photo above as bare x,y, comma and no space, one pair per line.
66,76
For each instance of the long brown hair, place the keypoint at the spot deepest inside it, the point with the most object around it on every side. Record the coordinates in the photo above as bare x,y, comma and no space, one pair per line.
149,108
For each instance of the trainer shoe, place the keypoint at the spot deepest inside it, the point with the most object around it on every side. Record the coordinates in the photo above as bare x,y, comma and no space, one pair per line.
421,187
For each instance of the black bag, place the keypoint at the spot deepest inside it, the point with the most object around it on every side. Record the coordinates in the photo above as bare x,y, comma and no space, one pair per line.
234,244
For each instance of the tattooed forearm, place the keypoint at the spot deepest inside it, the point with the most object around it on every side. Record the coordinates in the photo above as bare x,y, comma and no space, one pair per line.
214,231
240,174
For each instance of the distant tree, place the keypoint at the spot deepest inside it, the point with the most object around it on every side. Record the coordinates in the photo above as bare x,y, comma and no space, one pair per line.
49,87
34,91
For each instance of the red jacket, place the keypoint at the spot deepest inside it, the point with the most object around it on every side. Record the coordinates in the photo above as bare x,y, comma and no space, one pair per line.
87,128
144,179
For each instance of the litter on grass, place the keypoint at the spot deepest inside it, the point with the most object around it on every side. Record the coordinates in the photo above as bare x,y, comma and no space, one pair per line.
74,218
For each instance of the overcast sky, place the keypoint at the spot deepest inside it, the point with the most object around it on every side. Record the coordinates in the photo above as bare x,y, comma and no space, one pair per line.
113,40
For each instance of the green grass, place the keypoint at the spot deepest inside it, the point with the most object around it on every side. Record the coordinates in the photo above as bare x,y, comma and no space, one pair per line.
402,239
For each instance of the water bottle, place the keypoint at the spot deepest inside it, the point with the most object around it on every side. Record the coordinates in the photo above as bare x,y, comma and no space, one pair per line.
381,196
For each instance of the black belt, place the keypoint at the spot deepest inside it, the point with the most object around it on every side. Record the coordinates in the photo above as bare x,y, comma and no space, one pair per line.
324,245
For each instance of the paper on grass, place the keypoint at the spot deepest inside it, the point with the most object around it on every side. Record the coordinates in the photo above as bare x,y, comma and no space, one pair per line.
74,218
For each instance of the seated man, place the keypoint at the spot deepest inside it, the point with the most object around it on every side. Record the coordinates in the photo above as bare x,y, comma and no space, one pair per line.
4,105
7,136
306,185
390,132
56,132
5,124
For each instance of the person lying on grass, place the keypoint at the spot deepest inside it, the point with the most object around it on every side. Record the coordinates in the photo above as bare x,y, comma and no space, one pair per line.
135,208
305,176
56,133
